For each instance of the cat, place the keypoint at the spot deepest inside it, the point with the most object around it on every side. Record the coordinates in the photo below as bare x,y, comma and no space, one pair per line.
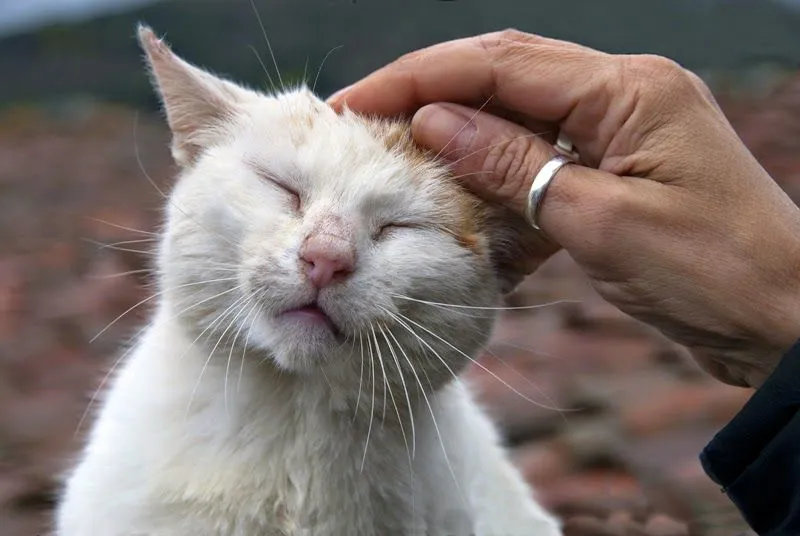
300,373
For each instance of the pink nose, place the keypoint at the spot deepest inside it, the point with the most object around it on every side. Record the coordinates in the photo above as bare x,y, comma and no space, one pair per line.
328,258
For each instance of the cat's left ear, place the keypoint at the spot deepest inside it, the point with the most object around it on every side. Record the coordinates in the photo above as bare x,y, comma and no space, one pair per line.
198,104
515,248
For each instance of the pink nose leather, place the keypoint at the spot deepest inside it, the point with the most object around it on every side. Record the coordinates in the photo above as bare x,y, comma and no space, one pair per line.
328,258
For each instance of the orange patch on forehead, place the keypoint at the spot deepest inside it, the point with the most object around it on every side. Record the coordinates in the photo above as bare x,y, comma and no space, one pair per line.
300,123
462,209
396,137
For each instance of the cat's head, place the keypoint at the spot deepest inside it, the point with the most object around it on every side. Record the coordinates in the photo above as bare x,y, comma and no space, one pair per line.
314,236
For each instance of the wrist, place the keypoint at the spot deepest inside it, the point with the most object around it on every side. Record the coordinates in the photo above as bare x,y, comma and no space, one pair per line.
780,323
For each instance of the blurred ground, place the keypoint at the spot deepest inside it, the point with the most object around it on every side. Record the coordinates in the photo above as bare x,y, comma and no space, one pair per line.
635,411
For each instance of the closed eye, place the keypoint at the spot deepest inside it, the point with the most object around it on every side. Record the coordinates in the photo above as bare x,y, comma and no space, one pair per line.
265,174
388,229
293,194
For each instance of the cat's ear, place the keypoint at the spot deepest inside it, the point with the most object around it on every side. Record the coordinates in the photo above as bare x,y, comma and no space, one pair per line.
515,248
198,104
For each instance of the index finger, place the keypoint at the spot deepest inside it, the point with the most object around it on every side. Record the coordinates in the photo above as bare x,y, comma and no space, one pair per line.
543,78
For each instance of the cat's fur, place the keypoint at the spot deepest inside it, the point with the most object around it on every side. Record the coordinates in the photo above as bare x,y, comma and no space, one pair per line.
229,418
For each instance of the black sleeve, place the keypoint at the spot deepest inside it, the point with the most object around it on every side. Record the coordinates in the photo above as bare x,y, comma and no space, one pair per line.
756,457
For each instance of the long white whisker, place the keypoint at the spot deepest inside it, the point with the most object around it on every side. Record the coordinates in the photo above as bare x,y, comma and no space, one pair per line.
405,388
372,409
266,71
479,364
400,420
383,371
131,348
321,65
493,145
118,248
118,226
128,242
361,374
471,119
159,190
122,274
269,45
430,409
244,348
142,302
455,306
233,345
217,320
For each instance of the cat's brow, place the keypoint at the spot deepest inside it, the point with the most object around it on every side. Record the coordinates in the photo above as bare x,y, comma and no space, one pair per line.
258,168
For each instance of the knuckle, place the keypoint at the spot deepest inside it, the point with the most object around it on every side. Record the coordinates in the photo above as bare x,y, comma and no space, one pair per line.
503,40
510,167
700,86
512,34
407,58
657,73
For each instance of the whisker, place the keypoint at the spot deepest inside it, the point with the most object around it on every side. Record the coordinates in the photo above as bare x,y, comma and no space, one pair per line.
159,190
263,66
498,144
405,390
117,248
122,274
361,374
126,353
128,242
118,226
321,65
372,409
456,306
430,409
142,302
479,364
217,320
471,119
269,45
400,421
244,349
99,388
527,380
383,371
233,345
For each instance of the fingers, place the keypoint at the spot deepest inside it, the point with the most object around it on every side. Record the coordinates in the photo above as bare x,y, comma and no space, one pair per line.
498,160
539,77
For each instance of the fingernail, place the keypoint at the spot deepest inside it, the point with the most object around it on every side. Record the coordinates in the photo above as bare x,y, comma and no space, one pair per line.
445,128
339,94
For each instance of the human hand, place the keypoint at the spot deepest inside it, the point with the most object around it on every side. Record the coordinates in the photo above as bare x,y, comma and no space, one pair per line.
670,216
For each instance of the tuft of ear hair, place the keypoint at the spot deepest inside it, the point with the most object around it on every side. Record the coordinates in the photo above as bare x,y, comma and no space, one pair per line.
199,105
515,248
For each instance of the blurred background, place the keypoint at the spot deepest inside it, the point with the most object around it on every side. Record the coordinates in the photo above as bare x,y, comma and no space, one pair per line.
80,134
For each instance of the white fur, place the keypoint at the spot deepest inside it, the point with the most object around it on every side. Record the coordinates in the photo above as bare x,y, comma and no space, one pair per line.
226,420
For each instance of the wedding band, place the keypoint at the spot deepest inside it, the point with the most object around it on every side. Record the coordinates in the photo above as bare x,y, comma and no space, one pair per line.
540,184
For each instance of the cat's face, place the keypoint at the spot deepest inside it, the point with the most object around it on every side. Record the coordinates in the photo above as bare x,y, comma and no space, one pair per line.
316,237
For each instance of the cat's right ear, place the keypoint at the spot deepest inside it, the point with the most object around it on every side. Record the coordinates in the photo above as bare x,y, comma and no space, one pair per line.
198,104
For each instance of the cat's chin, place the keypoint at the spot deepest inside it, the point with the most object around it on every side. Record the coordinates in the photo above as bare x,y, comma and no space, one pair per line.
298,342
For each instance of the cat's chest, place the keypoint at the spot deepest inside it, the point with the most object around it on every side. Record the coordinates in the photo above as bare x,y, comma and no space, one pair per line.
313,474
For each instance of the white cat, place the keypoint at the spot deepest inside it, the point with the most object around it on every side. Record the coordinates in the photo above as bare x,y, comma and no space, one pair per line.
293,380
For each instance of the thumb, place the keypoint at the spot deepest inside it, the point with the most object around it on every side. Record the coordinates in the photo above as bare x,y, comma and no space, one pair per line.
498,160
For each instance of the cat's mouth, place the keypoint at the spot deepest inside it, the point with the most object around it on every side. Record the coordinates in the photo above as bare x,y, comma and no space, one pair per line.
311,315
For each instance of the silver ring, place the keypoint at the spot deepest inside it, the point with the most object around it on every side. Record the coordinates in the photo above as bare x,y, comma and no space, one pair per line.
540,184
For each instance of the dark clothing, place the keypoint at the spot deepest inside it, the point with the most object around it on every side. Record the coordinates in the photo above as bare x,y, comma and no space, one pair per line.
756,457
